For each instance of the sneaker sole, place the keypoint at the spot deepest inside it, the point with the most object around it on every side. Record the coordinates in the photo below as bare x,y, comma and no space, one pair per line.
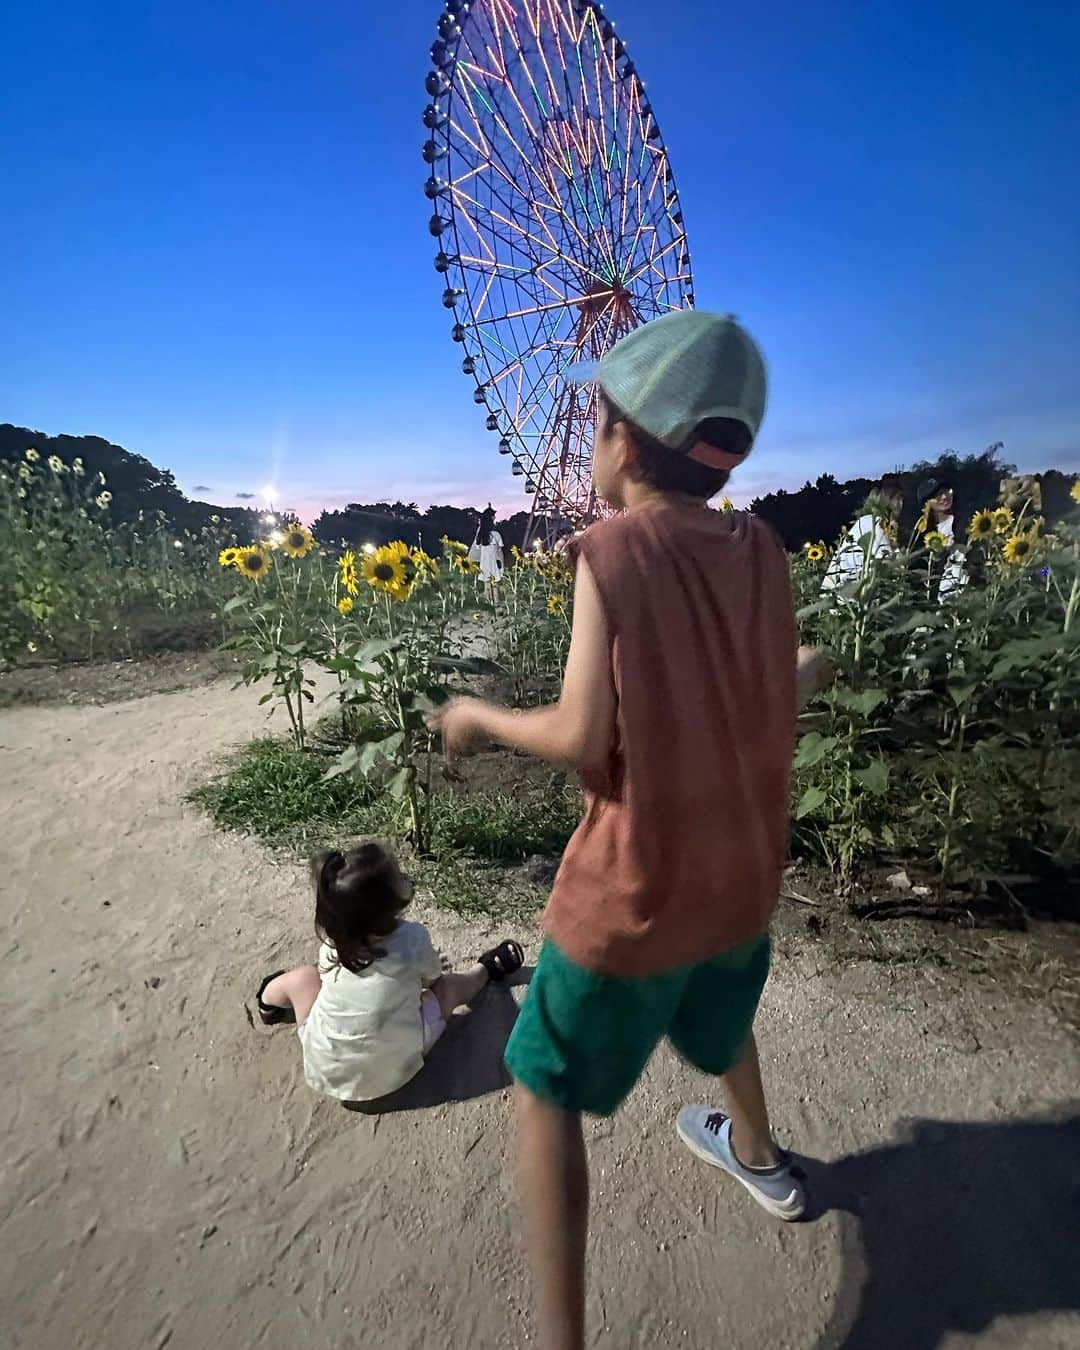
789,1210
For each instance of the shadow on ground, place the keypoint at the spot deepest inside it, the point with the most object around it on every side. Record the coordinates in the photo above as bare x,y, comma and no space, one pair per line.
466,1062
952,1226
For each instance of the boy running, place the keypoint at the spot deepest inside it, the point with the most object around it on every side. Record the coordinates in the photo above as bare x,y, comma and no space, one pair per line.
678,709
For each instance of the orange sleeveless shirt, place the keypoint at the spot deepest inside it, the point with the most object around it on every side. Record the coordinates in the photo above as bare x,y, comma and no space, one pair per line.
681,850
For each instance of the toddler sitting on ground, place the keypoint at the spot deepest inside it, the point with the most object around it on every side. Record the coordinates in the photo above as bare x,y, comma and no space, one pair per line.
379,998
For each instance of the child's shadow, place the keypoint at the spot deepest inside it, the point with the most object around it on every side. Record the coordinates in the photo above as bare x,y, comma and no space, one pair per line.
467,1060
952,1226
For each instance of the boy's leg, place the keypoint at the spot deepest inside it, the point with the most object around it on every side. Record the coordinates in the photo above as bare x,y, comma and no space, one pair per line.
555,1181
713,1029
751,1135
579,1045
296,989
458,988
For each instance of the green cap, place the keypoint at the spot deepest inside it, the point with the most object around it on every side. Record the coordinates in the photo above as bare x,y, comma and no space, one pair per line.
680,370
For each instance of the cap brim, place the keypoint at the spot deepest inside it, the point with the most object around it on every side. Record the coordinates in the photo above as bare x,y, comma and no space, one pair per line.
582,372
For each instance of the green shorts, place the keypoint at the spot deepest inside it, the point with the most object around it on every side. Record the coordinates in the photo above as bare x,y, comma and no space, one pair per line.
582,1039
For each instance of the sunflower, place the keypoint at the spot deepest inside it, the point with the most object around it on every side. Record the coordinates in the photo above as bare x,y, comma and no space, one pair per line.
25,472
400,550
454,547
32,455
350,580
56,464
1074,491
556,605
982,525
1003,520
462,563
1018,549
425,563
229,557
383,571
297,542
345,604
103,499
726,504
935,541
254,562
923,523
77,468
816,553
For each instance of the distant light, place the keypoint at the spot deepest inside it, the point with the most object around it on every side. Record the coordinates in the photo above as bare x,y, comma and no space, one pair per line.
277,537
177,544
268,493
537,545
269,518
369,548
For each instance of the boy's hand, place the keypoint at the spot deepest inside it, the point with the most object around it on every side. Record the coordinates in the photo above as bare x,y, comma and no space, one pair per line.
459,723
814,671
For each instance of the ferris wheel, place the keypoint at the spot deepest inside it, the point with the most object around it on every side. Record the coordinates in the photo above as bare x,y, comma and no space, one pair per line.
557,219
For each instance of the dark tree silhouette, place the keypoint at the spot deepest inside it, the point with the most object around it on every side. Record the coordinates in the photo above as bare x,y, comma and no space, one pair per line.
136,484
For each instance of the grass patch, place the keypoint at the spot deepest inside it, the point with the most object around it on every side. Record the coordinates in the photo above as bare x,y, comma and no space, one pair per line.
480,838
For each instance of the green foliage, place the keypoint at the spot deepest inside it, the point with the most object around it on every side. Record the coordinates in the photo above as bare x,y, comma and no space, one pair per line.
952,733
479,838
508,826
532,621
75,584
272,789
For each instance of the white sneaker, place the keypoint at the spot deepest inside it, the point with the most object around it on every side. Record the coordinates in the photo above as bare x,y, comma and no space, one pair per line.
708,1134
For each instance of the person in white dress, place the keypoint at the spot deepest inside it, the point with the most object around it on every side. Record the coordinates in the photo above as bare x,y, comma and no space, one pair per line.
379,998
487,548
936,503
870,537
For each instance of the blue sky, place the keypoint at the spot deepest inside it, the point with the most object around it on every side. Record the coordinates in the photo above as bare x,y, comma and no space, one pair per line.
216,250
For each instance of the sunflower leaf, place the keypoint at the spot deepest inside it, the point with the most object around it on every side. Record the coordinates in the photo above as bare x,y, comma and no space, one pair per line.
812,748
344,762
859,700
874,777
811,799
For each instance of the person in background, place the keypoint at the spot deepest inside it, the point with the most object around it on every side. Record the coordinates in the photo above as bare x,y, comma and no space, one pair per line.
935,529
870,537
678,709
487,548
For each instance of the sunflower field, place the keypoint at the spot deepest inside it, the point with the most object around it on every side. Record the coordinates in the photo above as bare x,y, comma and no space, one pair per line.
951,736
397,631
949,741
76,586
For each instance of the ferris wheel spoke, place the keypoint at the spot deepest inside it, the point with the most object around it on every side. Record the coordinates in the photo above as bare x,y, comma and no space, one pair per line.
503,125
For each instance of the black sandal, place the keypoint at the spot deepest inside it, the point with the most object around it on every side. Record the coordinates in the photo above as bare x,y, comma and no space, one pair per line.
269,1013
505,959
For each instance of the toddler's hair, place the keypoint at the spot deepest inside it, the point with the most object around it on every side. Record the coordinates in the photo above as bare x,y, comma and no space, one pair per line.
358,897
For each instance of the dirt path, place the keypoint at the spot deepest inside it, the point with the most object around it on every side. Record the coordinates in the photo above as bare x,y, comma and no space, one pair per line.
168,1179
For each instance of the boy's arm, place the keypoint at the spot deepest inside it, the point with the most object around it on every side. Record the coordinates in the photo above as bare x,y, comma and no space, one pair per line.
813,673
577,730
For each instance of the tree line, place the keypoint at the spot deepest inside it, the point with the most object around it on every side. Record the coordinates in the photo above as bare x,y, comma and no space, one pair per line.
818,510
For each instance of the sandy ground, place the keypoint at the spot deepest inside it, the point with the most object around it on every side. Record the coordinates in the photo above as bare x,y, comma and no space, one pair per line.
169,1180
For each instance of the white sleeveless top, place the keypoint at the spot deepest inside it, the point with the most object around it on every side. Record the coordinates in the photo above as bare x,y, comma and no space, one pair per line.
364,1036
